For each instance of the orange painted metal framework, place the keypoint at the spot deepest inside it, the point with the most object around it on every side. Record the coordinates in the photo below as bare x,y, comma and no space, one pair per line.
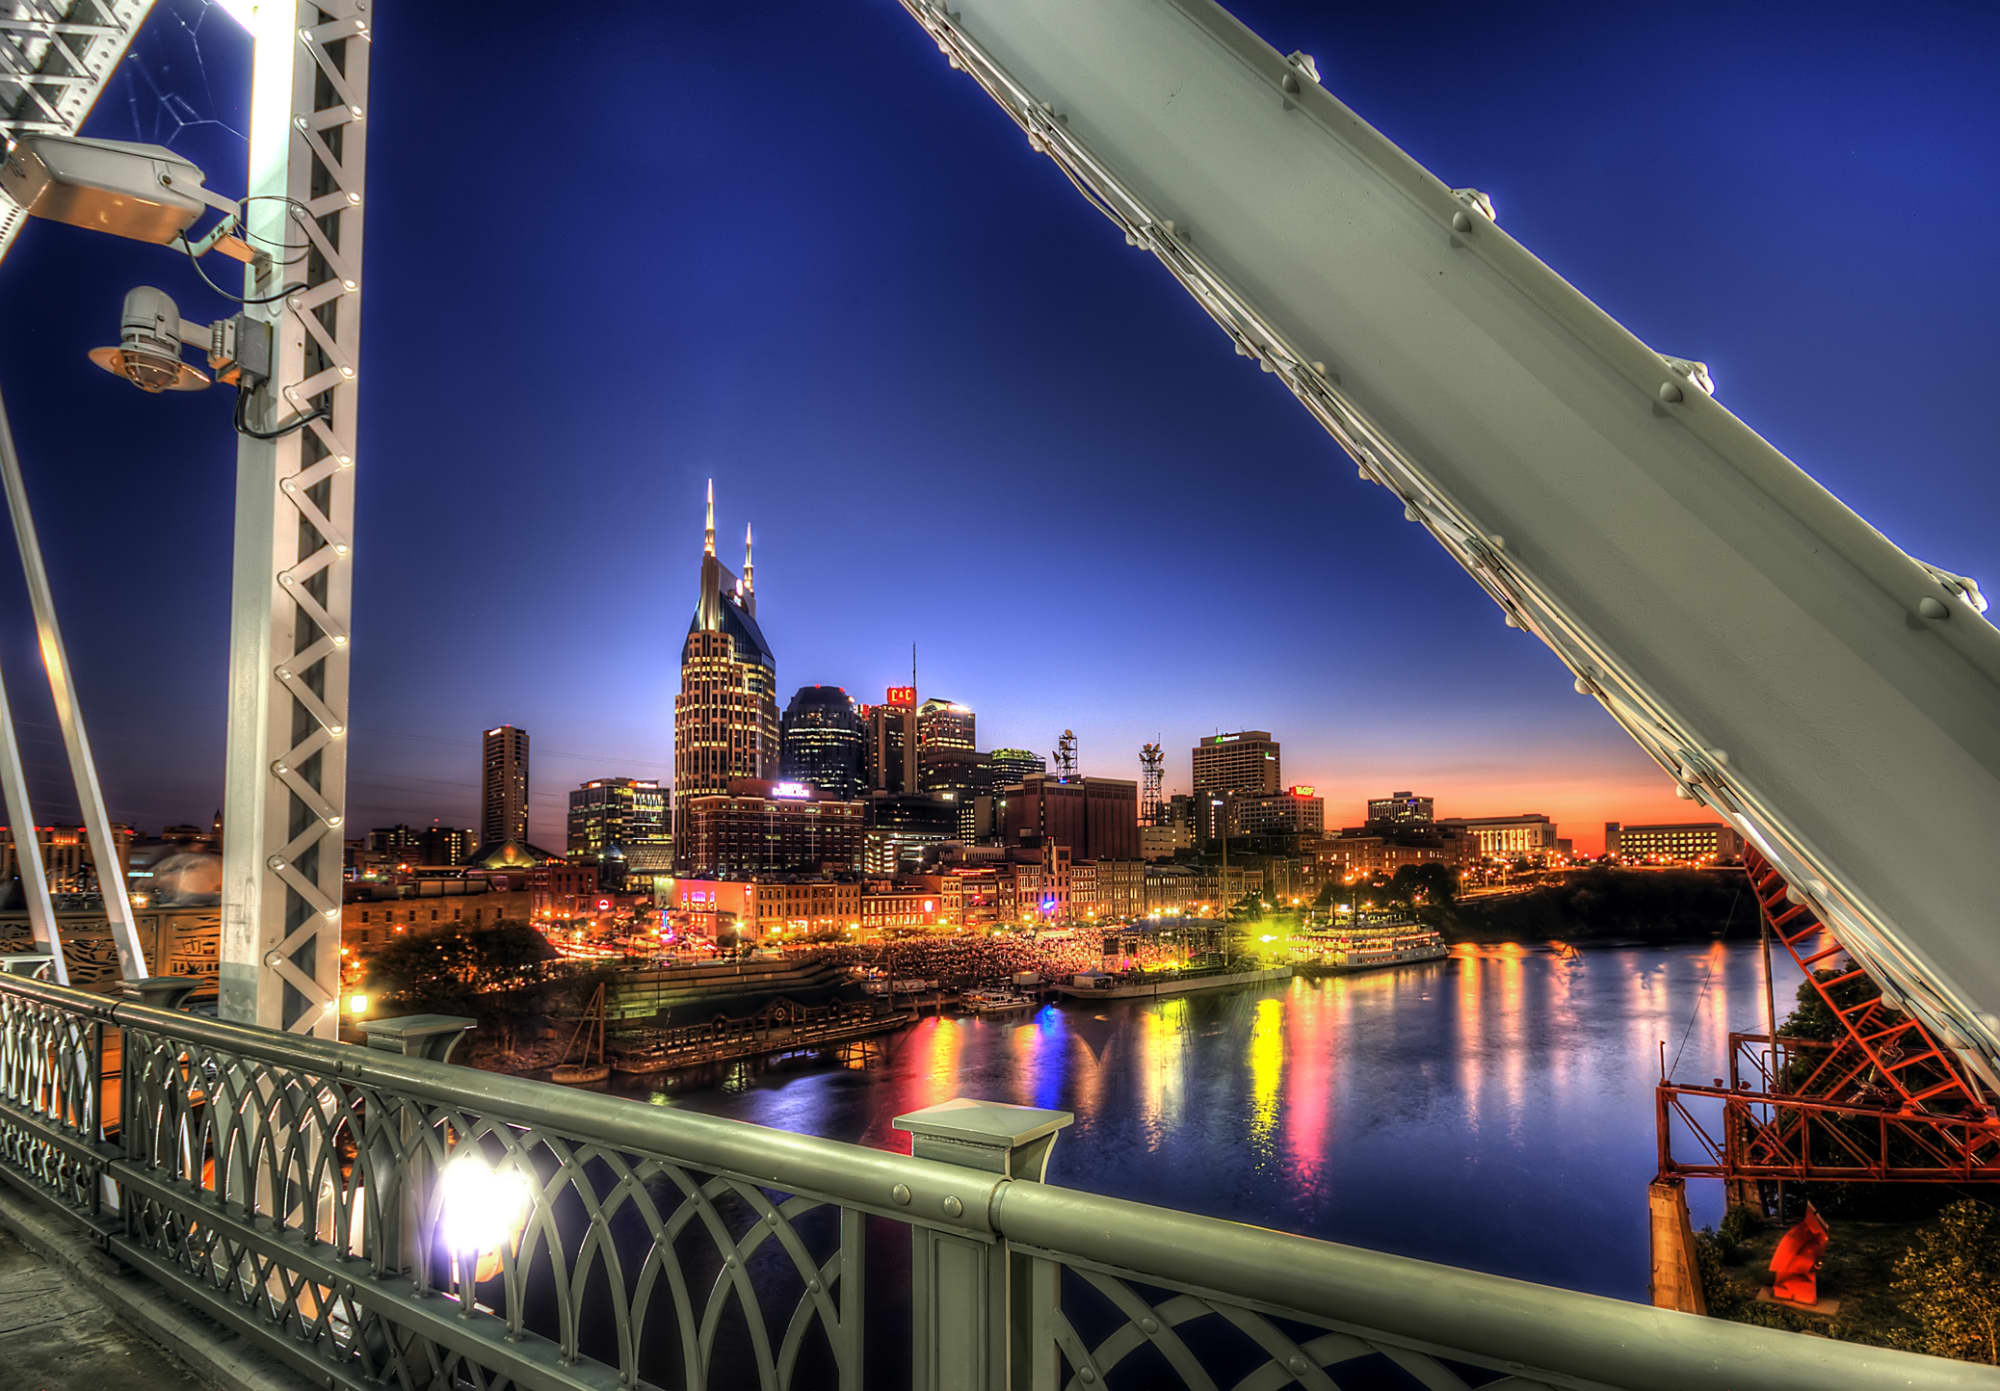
1879,1102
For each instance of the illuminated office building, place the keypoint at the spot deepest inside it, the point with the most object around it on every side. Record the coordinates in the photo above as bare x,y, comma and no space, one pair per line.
822,736
726,715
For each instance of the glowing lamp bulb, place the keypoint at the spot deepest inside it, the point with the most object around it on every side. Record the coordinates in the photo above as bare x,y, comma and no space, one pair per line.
484,1209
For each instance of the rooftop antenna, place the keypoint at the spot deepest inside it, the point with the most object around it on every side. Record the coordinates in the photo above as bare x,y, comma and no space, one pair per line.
708,537
1065,756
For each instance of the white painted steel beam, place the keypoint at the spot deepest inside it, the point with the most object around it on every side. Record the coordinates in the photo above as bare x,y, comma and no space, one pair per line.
55,57
69,718
285,785
1786,664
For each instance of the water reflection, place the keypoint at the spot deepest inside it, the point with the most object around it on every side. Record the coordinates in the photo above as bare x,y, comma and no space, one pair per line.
1492,1110
1267,1064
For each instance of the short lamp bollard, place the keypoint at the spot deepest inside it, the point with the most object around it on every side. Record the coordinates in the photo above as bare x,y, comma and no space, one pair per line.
161,992
34,964
979,1315
428,1036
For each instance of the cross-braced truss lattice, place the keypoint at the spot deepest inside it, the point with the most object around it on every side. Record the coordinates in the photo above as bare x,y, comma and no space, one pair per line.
55,56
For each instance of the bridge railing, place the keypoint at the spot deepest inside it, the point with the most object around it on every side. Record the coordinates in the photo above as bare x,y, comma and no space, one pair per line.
385,1220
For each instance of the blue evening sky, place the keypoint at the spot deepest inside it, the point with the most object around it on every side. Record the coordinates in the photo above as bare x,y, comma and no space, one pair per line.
785,246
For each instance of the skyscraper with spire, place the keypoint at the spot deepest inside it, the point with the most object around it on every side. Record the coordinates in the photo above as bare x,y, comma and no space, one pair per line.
726,715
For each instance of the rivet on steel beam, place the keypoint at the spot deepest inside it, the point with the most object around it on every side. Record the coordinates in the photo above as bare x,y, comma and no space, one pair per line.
284,673
355,112
1461,221
330,914
1297,1363
1410,513
279,767
1498,543
952,1206
345,370
340,639
272,958
814,1287
1719,757
333,821
300,121
340,548
346,461
354,199
334,731
1583,686
1290,83
1684,792
1149,1325
276,862
1087,1375
1928,607
350,285
1513,622
901,1193
1670,392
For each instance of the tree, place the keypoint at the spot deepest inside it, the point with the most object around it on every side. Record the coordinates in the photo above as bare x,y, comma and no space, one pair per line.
1948,1282
1430,882
493,974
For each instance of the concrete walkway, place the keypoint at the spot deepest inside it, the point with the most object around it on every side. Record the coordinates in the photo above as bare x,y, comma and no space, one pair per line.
55,1335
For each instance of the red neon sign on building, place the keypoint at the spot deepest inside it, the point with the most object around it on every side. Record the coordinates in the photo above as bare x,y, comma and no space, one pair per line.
901,695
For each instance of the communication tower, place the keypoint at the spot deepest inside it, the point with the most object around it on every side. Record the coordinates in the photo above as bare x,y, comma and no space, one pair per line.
1065,755
1152,769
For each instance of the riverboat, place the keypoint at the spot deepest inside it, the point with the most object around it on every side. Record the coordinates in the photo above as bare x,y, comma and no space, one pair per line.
1367,946
1125,985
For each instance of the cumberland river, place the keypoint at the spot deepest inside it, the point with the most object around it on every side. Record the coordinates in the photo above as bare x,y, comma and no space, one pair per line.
1494,1110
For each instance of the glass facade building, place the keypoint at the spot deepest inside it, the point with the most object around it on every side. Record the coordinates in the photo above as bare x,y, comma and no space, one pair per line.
822,742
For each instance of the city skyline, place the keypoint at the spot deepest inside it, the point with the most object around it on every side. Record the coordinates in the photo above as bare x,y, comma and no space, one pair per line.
1171,547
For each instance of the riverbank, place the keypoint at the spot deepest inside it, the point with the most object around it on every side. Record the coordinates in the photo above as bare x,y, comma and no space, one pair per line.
1626,906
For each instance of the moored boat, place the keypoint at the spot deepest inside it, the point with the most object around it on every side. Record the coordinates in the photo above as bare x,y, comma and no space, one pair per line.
1366,946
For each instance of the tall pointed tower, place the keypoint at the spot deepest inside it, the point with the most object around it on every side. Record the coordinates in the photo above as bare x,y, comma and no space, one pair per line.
726,715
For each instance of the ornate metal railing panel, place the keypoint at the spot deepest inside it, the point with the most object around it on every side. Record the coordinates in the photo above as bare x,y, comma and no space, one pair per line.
389,1221
52,1093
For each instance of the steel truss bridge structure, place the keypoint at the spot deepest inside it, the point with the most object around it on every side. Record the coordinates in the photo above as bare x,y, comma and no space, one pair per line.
1880,1102
1733,616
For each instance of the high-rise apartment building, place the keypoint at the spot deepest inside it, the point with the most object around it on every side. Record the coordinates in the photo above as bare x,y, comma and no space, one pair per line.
822,738
1246,761
726,715
503,766
889,753
945,724
616,814
1401,809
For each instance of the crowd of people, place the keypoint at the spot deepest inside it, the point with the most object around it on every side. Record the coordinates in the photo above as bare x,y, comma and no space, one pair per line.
961,961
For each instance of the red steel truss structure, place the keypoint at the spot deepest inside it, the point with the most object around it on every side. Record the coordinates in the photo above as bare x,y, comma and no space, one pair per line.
1880,1102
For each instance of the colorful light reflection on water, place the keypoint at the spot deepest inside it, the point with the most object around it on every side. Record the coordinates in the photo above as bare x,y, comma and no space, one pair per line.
1493,1110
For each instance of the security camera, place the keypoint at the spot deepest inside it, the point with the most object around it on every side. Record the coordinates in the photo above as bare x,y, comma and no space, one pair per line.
148,355
144,192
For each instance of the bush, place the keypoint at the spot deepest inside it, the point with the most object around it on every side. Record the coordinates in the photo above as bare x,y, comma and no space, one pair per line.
1949,1284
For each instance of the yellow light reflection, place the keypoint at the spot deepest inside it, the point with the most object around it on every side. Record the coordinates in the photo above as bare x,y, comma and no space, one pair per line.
1267,1067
